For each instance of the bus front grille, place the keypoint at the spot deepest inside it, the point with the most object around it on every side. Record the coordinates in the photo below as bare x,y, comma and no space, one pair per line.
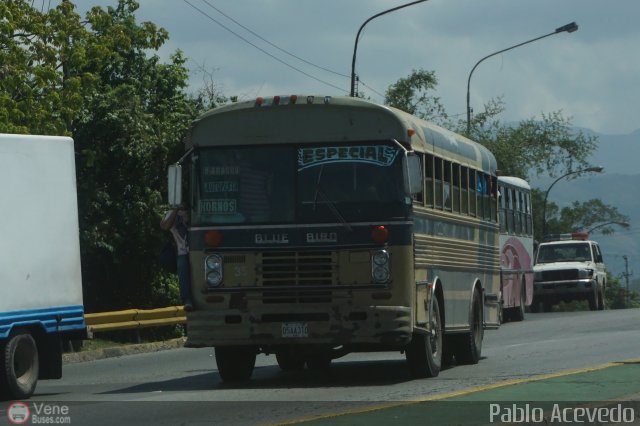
286,274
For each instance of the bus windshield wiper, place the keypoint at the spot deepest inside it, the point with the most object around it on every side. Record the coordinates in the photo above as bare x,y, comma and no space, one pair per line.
333,208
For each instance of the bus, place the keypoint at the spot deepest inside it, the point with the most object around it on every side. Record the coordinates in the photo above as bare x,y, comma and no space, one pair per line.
516,246
322,226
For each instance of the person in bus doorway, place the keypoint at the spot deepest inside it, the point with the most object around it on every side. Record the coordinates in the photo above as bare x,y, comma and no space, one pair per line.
176,221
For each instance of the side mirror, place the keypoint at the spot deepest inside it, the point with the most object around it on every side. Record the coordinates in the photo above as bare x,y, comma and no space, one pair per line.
413,173
174,185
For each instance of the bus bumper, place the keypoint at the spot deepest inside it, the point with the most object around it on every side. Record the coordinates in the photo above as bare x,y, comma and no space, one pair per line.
347,325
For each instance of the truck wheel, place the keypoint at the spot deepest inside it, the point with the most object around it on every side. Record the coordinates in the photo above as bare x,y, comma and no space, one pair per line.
290,361
424,353
593,300
20,367
319,362
601,300
469,345
235,363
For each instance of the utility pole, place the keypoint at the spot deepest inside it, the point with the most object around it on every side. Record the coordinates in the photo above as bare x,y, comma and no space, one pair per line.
626,274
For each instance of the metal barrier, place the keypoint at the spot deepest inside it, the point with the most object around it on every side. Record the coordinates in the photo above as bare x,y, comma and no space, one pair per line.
135,318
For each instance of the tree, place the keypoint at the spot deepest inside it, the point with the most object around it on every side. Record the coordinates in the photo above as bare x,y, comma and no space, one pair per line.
411,94
546,145
101,81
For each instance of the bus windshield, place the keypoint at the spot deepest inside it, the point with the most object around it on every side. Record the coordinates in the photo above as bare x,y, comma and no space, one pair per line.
291,184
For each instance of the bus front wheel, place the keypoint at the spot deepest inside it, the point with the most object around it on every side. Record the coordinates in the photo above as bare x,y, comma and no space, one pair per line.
235,363
424,353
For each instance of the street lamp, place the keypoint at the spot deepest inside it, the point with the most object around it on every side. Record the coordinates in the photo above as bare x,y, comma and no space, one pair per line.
569,28
612,222
355,47
597,169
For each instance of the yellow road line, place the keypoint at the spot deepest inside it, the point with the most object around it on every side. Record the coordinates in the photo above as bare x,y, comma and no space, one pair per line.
455,394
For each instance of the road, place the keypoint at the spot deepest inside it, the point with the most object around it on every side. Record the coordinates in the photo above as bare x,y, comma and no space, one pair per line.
182,385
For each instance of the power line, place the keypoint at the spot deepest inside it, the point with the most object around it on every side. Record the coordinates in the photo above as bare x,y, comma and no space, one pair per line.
272,44
262,50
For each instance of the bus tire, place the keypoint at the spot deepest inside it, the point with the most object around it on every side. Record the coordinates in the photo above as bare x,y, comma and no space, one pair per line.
424,353
469,345
517,314
319,362
20,366
235,363
290,361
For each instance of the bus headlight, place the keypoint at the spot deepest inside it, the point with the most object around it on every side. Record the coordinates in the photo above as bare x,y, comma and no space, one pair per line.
380,267
213,270
214,278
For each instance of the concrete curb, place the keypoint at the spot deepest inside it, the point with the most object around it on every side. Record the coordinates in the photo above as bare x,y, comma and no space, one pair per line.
117,351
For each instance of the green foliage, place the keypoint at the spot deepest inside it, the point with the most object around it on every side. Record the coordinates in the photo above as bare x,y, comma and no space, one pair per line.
411,94
617,295
101,81
547,145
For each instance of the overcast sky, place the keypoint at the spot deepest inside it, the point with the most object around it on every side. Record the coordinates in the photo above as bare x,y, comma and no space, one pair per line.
592,75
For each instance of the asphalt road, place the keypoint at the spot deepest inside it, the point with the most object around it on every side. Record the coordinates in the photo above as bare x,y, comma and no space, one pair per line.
181,386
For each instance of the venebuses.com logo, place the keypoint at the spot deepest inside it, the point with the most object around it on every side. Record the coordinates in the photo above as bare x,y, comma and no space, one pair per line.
20,413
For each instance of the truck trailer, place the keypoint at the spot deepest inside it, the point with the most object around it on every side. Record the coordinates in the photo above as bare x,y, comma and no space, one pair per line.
41,304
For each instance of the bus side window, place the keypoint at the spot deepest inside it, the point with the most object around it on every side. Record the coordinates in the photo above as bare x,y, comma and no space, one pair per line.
428,187
464,190
419,197
529,216
456,188
446,185
493,198
438,182
503,195
472,192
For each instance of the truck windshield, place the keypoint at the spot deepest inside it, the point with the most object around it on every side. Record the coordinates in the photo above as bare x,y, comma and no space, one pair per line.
291,184
578,252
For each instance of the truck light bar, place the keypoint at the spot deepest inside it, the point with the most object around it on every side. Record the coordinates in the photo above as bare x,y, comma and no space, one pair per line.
582,236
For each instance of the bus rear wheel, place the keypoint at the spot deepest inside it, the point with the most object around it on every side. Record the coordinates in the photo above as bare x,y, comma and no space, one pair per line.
424,353
20,366
235,363
290,361
469,345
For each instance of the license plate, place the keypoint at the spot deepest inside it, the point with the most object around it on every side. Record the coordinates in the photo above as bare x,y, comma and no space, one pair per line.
295,329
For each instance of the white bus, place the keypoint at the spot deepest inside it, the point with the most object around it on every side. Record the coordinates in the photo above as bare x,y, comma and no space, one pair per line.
516,246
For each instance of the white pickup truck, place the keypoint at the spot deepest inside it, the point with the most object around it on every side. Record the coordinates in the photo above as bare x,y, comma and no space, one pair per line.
40,280
571,268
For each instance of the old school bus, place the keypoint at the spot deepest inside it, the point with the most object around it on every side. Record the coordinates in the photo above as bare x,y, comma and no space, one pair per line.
327,225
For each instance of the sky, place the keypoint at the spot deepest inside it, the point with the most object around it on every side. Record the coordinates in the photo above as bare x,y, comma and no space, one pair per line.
592,75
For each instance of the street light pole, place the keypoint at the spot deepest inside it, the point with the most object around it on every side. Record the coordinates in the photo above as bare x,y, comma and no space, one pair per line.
569,28
355,46
612,222
597,169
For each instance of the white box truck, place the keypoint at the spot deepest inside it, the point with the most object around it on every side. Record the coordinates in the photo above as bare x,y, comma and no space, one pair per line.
40,279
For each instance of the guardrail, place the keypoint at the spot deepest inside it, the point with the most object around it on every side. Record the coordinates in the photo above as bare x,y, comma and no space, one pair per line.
135,319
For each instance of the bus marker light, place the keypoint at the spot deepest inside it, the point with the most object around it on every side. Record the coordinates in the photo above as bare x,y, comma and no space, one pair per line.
411,132
380,234
213,238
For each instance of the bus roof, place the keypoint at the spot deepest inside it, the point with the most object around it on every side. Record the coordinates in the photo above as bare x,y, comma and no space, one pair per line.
305,119
514,181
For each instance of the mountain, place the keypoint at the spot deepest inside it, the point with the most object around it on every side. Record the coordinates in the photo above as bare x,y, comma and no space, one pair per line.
617,153
619,186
